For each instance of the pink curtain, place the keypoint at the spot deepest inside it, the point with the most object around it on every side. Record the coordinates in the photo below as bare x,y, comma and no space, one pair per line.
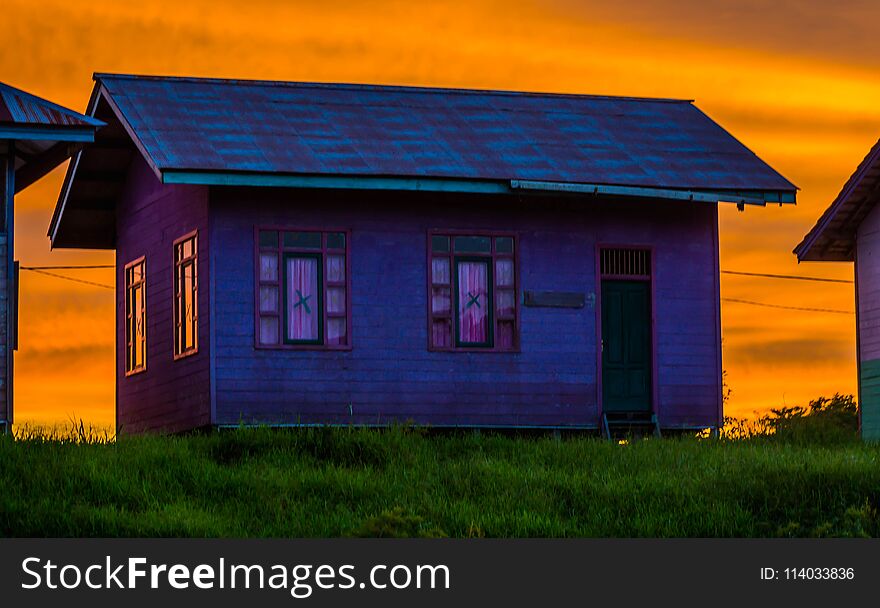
440,271
268,267
269,330
335,300
302,299
504,272
335,268
441,333
504,334
336,330
473,302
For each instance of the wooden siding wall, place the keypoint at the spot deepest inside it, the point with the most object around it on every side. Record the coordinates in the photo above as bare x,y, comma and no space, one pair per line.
170,395
868,284
5,413
390,375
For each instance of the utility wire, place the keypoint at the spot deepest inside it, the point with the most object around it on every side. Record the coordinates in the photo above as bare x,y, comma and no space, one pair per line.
786,276
67,267
764,275
802,308
43,270
61,276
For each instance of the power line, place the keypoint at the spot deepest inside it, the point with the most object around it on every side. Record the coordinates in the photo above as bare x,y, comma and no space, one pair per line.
801,308
61,276
87,267
44,271
764,275
786,276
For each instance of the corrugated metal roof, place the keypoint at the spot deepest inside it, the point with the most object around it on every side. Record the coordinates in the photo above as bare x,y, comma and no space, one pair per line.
215,125
23,109
833,237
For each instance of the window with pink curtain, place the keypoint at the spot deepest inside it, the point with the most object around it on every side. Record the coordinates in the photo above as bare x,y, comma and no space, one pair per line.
472,292
302,289
474,304
303,300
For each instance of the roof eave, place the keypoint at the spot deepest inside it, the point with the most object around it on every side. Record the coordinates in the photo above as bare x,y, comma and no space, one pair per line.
805,250
71,170
35,132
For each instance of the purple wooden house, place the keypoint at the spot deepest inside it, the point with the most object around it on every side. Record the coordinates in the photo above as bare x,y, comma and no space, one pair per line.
293,254
849,231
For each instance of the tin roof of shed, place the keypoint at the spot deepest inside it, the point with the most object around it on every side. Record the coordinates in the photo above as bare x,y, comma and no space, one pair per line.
44,133
23,109
242,132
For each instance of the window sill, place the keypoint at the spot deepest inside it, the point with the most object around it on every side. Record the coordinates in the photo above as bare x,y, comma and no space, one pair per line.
135,372
475,349
312,347
185,354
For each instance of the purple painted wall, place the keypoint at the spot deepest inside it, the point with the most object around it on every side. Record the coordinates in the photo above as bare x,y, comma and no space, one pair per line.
390,374
867,271
169,395
868,268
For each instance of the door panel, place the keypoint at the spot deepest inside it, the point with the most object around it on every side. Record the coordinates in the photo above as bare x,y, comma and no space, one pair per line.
626,346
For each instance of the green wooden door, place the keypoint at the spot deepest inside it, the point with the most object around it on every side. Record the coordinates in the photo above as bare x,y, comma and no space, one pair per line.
626,346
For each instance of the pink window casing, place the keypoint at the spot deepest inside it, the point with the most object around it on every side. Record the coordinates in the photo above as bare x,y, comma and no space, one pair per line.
302,298
473,303
487,322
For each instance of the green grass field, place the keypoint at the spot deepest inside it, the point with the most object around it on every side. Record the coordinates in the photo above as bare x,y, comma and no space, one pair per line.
399,482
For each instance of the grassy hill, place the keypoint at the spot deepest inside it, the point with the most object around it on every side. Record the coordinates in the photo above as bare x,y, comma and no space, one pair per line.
399,482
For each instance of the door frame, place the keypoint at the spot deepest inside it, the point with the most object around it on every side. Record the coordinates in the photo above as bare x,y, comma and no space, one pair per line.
597,269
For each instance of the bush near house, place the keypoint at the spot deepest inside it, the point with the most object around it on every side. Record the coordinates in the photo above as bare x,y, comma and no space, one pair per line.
825,421
324,482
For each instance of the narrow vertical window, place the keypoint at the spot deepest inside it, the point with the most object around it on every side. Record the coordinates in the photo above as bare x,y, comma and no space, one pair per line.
474,303
186,318
303,295
135,317
303,289
472,299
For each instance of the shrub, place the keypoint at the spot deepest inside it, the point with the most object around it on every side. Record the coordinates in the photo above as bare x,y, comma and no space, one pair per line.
824,421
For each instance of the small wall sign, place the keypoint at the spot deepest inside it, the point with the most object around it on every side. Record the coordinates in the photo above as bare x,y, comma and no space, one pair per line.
553,299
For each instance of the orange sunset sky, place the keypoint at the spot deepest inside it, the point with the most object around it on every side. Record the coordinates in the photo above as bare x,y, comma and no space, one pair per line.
798,81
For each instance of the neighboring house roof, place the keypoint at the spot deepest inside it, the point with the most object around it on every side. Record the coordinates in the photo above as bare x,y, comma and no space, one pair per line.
833,237
44,133
239,132
23,109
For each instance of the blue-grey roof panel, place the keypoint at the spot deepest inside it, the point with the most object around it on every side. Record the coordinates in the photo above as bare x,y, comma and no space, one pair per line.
365,130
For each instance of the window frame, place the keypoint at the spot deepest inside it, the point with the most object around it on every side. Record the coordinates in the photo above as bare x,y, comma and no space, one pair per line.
179,352
456,261
282,251
322,287
492,257
130,370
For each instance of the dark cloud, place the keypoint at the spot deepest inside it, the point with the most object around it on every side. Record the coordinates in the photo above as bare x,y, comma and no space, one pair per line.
794,352
843,29
83,359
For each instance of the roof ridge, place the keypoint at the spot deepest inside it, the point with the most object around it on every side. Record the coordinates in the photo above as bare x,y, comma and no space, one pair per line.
99,76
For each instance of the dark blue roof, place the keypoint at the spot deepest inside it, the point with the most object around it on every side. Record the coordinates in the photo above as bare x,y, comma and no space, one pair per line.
20,108
332,129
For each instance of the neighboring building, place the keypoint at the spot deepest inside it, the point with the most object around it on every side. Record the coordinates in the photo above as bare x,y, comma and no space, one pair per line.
292,253
849,231
35,137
